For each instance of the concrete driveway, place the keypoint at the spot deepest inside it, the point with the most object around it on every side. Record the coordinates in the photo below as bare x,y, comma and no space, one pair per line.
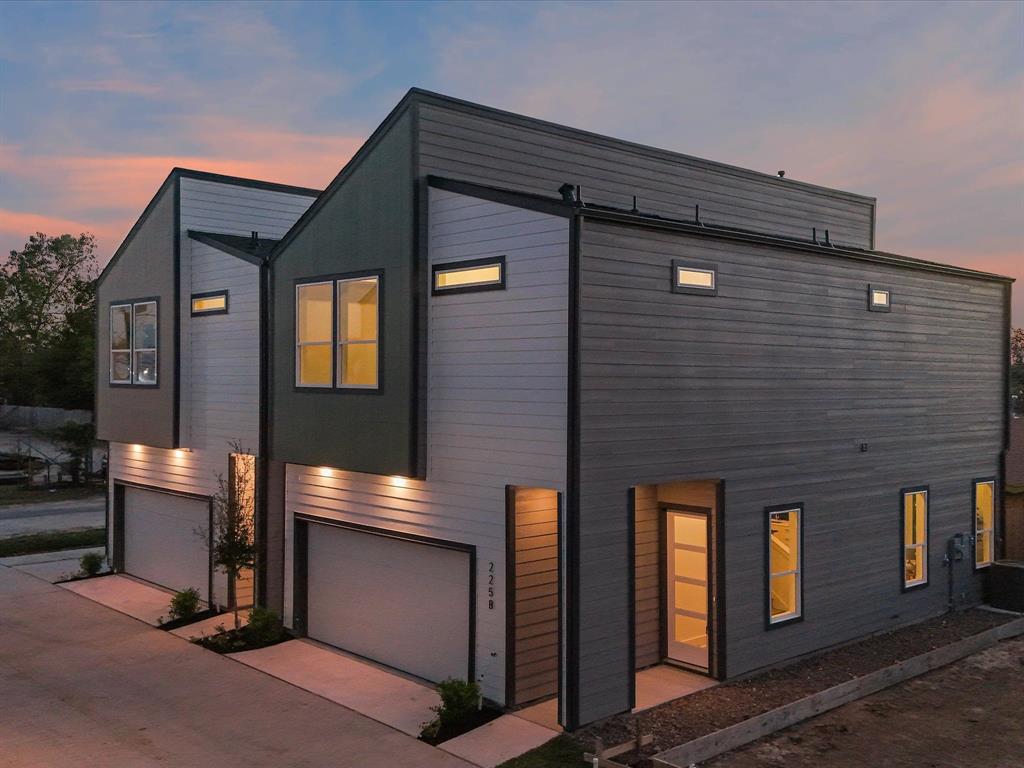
18,519
81,684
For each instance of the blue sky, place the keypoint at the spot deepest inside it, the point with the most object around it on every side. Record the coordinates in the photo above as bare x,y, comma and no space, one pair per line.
920,104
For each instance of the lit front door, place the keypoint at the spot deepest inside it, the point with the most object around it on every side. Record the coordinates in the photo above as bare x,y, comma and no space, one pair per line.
687,592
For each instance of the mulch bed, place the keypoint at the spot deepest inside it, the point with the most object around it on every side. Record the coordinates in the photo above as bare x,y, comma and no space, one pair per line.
478,718
237,640
195,617
712,709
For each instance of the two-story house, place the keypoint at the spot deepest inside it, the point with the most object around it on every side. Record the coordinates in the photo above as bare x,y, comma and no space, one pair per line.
543,408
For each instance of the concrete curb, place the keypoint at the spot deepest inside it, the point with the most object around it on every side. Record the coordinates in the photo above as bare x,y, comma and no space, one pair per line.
727,739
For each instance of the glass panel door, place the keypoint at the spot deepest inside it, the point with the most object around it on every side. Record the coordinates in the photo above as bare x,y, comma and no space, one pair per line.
687,592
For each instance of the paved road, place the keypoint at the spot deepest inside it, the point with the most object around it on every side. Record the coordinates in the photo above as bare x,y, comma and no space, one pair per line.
82,685
17,519
965,715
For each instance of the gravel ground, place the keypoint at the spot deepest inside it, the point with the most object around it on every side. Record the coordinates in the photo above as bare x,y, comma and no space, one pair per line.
966,715
709,710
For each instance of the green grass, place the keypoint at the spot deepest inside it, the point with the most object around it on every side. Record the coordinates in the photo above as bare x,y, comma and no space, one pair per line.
560,752
22,494
31,543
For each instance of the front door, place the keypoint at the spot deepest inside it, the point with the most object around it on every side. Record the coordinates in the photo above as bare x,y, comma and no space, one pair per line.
687,581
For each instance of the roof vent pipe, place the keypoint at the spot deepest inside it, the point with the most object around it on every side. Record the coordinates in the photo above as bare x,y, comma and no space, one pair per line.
696,215
814,235
566,191
635,209
255,237
827,241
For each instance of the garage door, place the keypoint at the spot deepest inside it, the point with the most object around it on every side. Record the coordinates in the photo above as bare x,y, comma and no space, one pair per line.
399,602
160,543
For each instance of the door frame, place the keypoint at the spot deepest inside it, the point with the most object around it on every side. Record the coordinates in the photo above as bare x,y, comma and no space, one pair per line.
300,571
117,563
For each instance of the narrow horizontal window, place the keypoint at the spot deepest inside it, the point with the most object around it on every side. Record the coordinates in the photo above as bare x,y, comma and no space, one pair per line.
694,277
879,299
984,522
212,303
915,538
468,276
784,565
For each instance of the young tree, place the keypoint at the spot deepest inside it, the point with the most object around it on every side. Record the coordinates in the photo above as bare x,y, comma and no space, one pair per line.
1017,368
47,299
234,540
77,441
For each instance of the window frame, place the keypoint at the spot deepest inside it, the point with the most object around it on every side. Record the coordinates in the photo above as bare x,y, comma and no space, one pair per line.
792,617
209,295
926,546
335,387
974,522
697,266
875,307
339,343
451,266
132,349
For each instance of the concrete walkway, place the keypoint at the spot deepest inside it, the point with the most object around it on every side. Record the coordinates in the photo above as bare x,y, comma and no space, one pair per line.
52,566
81,684
124,594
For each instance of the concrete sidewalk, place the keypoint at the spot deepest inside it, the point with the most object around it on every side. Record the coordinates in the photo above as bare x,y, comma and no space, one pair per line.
85,685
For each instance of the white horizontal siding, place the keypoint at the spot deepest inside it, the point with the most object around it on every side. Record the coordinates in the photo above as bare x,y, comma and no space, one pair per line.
496,407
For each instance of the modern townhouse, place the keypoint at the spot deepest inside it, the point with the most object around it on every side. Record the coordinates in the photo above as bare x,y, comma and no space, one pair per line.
543,409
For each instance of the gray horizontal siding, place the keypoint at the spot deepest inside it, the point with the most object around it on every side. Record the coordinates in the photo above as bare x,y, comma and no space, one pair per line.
773,385
530,156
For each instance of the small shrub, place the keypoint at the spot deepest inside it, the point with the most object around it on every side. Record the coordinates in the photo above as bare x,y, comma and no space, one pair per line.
264,627
460,706
91,563
184,604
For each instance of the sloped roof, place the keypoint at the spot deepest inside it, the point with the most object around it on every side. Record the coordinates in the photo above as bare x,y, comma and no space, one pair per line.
253,251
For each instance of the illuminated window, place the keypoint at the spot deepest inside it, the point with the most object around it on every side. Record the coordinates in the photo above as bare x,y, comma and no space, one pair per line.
358,303
984,522
133,338
212,303
469,276
785,564
313,339
879,299
337,333
694,277
915,537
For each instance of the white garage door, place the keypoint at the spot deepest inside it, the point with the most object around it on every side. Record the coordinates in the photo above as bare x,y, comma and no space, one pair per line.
160,542
399,602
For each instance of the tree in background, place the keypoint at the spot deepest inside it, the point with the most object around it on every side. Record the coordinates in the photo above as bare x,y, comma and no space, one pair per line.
1017,369
47,322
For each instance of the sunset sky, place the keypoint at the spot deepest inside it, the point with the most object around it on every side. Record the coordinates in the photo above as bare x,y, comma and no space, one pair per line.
918,104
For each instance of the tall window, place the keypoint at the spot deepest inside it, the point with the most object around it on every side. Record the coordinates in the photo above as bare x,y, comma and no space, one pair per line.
357,332
314,308
915,537
984,522
337,333
784,564
133,340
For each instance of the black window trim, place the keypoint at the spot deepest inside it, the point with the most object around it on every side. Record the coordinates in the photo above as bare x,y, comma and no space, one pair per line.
131,332
770,623
702,266
872,306
489,261
209,295
334,387
974,520
904,492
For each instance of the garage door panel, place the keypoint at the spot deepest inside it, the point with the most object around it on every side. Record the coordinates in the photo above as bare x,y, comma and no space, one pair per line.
399,602
161,544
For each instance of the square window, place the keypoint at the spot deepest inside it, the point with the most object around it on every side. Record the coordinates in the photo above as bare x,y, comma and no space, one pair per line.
879,299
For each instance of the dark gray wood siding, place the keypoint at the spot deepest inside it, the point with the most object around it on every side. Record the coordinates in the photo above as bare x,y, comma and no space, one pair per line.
536,594
365,223
773,385
490,147
142,268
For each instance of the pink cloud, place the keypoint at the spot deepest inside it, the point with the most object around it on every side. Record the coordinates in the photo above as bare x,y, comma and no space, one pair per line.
110,86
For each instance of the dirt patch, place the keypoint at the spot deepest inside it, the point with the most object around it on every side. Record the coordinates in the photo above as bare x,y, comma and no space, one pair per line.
965,715
677,722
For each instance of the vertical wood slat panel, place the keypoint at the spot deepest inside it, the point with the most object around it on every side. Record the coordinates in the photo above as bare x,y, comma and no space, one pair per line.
536,594
648,578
